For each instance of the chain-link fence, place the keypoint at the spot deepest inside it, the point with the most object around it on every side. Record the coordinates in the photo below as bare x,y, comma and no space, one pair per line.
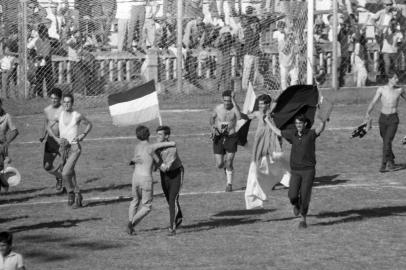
97,47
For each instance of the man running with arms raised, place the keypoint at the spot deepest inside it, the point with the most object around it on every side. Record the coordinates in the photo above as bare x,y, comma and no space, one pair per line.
70,149
224,134
389,95
51,151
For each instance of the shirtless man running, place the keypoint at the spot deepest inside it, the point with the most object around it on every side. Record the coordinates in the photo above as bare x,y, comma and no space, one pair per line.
51,150
224,134
144,157
389,95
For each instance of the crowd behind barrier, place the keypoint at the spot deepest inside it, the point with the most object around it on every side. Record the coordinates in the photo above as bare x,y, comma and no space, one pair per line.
86,46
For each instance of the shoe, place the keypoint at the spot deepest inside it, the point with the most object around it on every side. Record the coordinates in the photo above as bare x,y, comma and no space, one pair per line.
78,201
71,198
393,167
178,222
229,188
296,210
171,232
58,186
383,168
302,225
130,228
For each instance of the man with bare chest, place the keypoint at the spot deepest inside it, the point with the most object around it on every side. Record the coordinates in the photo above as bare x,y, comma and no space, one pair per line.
224,134
389,95
51,149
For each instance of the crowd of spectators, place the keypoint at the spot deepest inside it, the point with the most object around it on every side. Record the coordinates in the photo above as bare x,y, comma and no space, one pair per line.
221,27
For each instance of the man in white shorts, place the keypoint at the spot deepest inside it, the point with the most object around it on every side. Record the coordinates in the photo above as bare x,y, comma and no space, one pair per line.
69,141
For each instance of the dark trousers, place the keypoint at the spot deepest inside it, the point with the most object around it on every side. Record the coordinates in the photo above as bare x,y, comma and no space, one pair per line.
171,183
300,188
41,74
388,125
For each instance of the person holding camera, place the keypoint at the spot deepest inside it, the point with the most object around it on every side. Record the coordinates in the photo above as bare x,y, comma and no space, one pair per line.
224,134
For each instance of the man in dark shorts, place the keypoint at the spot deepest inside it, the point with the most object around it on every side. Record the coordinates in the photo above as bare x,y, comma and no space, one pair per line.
51,149
224,134
302,162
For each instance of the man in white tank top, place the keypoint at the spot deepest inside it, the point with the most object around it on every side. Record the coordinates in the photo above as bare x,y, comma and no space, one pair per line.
51,148
69,140
389,95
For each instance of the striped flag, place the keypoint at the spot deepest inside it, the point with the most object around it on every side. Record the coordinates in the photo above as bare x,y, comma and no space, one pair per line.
135,106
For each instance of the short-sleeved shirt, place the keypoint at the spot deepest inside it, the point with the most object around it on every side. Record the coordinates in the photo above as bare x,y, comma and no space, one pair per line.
6,124
303,152
13,261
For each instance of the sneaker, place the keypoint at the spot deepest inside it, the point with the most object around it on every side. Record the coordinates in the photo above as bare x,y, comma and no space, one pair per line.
78,201
302,225
71,198
130,228
296,210
392,166
178,222
171,232
229,188
59,187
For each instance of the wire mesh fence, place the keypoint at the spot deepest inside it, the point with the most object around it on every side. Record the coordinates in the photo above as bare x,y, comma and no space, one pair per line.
93,48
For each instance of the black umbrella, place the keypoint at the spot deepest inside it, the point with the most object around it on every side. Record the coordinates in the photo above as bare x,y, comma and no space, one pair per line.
296,99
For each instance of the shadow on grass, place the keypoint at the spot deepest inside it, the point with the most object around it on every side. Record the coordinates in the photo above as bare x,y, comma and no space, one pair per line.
360,214
51,225
107,202
217,223
94,245
53,194
26,191
90,180
47,256
328,180
2,220
106,188
243,212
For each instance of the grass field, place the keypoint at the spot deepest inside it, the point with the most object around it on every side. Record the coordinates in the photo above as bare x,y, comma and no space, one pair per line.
357,215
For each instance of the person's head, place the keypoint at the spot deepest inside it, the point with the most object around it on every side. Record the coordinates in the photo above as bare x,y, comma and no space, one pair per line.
264,102
6,240
300,122
388,5
163,133
281,25
68,101
393,79
56,96
43,31
142,133
228,104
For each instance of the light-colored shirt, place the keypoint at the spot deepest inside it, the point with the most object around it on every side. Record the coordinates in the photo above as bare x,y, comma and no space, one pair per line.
390,43
71,130
6,124
13,261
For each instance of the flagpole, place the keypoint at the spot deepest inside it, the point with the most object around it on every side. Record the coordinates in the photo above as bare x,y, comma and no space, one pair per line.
160,119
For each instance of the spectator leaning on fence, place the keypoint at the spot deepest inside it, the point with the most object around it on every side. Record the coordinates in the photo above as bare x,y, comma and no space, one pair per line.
8,62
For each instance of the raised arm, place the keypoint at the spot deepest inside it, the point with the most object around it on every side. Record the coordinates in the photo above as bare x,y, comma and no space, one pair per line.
276,130
320,128
372,104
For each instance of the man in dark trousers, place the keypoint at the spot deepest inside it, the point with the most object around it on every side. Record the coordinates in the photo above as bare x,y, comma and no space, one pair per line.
171,170
302,162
